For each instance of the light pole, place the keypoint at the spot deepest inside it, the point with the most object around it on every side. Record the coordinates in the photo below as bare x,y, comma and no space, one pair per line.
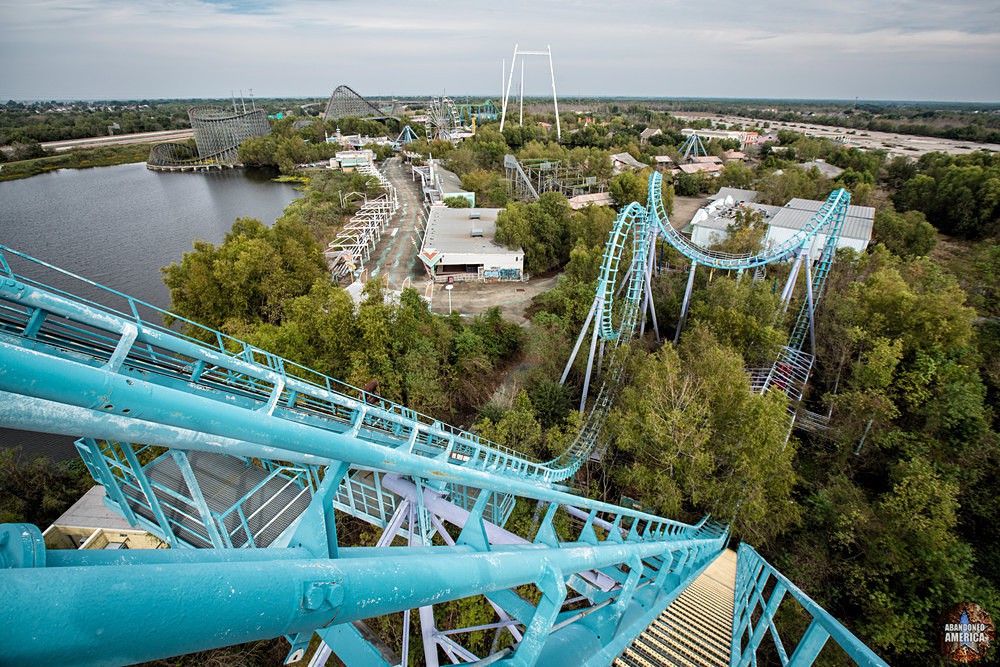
449,288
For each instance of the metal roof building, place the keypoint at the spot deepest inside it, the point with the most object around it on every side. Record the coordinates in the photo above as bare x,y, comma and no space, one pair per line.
793,216
459,245
447,184
710,224
622,161
738,194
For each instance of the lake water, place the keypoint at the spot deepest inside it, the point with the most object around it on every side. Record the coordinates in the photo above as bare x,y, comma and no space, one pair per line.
118,226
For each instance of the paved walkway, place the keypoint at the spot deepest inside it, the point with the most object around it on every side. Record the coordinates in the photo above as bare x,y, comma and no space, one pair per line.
395,254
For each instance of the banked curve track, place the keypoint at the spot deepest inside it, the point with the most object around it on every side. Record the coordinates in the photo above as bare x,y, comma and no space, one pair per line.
37,319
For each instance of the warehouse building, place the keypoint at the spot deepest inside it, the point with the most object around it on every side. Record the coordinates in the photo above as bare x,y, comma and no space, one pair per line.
710,224
459,246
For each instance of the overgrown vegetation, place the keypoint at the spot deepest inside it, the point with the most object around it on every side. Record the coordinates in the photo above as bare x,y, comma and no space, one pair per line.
34,489
105,156
269,287
886,518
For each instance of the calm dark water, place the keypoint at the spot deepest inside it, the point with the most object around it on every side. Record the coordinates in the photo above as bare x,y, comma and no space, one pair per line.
118,226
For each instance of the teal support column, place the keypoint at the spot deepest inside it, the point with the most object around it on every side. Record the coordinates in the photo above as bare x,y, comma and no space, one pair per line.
181,459
97,609
91,454
147,489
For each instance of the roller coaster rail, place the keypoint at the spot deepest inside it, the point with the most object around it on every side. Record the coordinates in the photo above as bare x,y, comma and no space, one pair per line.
637,228
760,590
249,374
218,134
293,436
345,102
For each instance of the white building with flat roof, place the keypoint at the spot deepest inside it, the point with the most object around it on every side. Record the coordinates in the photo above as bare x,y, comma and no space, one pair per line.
447,184
459,246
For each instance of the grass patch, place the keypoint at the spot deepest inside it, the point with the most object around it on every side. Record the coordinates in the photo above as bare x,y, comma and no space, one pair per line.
104,156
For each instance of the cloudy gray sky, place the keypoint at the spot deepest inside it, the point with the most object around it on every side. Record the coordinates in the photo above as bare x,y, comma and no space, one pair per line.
900,49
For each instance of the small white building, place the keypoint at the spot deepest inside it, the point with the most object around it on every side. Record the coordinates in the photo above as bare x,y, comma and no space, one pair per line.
736,194
711,168
594,199
648,134
90,524
459,246
444,184
793,216
351,160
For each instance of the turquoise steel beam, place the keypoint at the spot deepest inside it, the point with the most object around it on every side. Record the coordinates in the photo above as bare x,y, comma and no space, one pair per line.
832,211
57,414
240,600
180,458
753,574
167,353
98,466
147,490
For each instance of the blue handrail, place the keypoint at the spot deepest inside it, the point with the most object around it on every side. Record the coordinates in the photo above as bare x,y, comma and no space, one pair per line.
760,590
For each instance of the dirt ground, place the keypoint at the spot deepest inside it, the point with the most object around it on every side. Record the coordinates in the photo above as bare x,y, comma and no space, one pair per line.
476,298
684,210
894,143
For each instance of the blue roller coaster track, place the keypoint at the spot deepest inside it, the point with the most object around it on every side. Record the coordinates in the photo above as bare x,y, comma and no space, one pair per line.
240,461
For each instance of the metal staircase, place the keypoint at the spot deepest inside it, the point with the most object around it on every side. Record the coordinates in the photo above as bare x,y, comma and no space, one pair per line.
696,629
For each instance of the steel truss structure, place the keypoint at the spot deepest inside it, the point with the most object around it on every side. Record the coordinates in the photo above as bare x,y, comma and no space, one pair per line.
635,233
346,103
477,112
354,244
218,134
240,460
526,180
506,94
406,136
692,147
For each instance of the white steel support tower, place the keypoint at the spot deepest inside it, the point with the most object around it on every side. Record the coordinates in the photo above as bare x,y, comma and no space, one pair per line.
510,79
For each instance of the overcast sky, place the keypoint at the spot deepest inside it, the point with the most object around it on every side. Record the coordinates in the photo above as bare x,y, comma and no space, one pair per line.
901,49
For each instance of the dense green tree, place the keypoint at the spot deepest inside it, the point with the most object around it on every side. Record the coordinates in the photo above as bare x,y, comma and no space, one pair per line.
591,225
904,517
541,228
249,277
317,331
457,202
687,185
906,234
737,174
488,186
689,437
745,234
741,315
37,490
518,428
959,194
552,402
777,189
626,188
